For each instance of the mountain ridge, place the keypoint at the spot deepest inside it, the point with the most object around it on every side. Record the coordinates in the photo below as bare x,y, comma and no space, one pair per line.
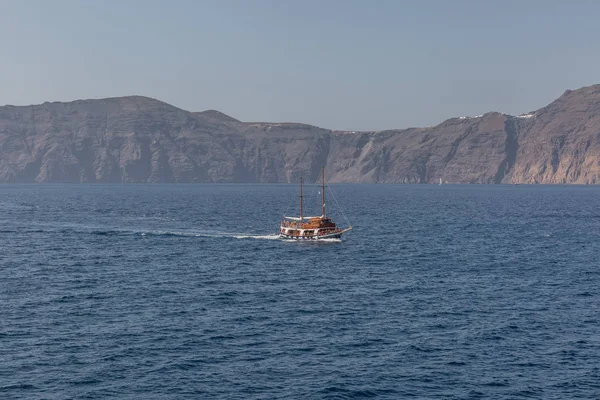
141,139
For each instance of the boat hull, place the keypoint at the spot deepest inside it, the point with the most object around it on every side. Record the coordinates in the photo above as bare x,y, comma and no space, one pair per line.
334,235
313,238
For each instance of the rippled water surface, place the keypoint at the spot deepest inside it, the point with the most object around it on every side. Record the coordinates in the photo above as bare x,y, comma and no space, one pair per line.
172,292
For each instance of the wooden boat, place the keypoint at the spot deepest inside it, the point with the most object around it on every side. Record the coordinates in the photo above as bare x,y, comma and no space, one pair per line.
311,228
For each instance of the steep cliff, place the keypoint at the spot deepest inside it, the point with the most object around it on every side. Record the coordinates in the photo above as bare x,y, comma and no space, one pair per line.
138,139
560,143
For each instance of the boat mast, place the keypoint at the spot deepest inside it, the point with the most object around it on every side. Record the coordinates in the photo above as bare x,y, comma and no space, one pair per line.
323,191
300,199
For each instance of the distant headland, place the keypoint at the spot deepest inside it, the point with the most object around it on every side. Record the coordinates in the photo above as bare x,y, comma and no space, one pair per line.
137,139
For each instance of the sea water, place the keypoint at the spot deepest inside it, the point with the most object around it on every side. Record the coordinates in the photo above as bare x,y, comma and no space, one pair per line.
185,291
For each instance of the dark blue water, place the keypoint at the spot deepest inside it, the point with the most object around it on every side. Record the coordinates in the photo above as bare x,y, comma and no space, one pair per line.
173,292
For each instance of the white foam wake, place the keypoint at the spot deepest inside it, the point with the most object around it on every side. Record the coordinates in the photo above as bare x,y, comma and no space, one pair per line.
262,237
120,231
210,234
330,240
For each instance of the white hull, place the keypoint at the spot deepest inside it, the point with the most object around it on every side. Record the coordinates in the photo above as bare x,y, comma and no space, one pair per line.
310,238
336,235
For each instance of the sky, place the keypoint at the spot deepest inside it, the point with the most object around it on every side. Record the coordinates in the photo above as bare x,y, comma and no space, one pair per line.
337,64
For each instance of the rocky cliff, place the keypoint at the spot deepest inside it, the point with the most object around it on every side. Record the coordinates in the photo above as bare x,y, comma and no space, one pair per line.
138,139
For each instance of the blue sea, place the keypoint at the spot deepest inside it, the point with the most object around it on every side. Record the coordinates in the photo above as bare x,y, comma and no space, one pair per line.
185,292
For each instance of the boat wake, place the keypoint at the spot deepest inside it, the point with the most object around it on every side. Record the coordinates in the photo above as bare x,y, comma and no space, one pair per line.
260,237
209,234
330,240
96,230
226,235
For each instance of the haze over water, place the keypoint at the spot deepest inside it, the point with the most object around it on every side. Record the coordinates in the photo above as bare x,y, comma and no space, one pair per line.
183,291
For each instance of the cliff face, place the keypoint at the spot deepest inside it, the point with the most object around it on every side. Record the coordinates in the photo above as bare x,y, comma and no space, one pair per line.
562,143
138,139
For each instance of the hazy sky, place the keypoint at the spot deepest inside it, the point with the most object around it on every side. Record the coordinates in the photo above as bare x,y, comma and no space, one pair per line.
340,64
